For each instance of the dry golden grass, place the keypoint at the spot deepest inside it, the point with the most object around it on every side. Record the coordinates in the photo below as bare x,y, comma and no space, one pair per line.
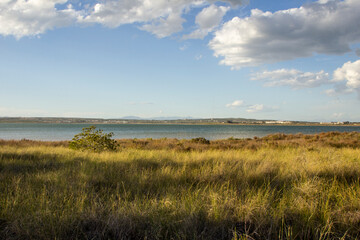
329,139
277,187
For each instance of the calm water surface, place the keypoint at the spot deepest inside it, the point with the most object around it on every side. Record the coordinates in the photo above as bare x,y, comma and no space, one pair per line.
55,132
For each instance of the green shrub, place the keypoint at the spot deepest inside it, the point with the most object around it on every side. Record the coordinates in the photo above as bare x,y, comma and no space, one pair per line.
93,140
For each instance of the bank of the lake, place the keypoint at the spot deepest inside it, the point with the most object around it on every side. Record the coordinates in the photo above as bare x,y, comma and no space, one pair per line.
58,132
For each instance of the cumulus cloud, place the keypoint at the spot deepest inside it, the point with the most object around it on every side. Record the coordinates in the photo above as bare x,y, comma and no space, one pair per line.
323,27
349,72
21,18
207,20
165,27
211,16
114,13
235,104
348,77
255,108
161,17
292,78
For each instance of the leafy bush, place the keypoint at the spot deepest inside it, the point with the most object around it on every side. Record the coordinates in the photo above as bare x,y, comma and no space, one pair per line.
93,140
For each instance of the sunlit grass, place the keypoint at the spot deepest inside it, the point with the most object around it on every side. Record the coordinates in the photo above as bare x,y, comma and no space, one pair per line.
269,192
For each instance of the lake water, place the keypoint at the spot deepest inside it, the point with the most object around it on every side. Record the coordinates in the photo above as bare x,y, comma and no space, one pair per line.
55,132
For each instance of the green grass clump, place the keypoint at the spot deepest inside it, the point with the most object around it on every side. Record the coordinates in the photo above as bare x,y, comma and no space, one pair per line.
48,191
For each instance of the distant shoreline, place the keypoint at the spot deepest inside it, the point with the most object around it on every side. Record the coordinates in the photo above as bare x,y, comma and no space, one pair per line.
201,124
214,121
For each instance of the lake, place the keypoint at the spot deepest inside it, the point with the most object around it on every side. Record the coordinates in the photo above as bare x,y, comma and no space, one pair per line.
55,132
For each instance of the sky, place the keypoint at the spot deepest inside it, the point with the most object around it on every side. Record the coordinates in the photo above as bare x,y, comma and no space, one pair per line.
283,59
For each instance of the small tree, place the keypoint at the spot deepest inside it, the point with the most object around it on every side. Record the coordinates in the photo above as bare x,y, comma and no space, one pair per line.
93,140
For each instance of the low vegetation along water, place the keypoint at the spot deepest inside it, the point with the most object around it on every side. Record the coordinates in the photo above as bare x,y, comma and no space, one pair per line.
276,187
57,132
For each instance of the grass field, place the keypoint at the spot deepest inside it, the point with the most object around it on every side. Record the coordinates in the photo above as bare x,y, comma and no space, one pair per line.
276,187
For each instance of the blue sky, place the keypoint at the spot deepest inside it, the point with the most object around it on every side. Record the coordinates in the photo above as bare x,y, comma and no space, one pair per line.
284,59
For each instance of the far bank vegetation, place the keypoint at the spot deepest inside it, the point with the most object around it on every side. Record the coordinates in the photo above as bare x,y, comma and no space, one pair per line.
280,140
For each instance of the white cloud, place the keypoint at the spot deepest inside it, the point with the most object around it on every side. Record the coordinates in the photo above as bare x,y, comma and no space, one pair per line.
165,27
21,18
292,78
251,108
207,20
326,27
349,72
348,77
211,16
117,12
163,18
255,108
235,104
